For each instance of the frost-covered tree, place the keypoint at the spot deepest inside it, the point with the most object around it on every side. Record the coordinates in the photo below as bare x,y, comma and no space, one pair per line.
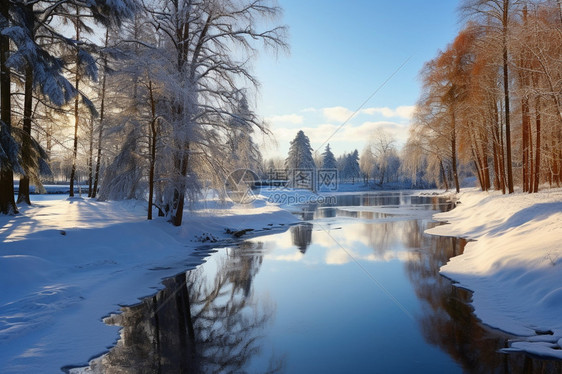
300,153
31,28
351,169
300,163
367,163
244,152
384,151
203,73
133,61
328,159
191,98
9,160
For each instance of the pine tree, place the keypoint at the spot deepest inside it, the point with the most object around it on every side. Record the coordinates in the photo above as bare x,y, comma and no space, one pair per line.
351,166
328,159
22,24
300,153
300,164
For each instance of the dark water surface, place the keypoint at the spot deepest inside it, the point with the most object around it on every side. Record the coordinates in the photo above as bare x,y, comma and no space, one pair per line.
354,290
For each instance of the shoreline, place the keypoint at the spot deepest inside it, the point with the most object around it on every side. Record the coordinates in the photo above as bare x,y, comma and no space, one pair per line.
68,263
512,264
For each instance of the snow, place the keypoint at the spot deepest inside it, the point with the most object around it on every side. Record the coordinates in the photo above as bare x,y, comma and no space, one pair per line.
67,263
514,264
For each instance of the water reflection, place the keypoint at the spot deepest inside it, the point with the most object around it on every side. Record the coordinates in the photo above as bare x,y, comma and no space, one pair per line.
447,319
333,242
329,316
302,236
196,324
347,206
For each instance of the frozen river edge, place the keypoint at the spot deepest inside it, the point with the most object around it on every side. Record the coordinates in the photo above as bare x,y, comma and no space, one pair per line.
513,264
65,264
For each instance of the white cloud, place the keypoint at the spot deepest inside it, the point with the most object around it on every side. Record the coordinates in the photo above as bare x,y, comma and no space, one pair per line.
347,138
386,112
325,125
337,113
342,114
399,131
403,111
406,111
337,256
286,118
293,257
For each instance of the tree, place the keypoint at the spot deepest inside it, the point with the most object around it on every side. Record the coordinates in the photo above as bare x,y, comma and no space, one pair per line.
382,146
499,15
22,25
367,162
300,153
300,163
8,147
244,153
201,75
351,169
328,159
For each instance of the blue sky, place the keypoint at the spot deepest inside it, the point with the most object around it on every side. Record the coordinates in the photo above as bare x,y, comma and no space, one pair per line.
341,52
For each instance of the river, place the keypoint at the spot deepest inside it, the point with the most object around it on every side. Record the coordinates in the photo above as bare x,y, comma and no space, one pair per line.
355,288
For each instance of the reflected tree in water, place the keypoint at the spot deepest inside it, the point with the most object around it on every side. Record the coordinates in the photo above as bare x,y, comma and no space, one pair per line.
197,323
302,236
448,322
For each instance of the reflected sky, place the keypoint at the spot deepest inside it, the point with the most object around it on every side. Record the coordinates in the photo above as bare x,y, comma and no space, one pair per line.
336,294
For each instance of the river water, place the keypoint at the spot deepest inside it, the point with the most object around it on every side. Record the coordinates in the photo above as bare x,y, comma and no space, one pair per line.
355,288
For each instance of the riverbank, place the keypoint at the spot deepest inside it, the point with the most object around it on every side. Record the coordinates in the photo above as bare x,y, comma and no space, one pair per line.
514,264
67,263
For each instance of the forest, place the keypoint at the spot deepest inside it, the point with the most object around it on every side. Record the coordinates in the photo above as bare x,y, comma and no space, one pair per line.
137,98
492,99
154,100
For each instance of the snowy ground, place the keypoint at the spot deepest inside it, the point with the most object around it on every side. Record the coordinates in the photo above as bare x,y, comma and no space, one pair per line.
65,264
514,266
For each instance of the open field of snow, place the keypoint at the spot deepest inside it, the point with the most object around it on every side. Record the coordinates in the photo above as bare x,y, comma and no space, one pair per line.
514,264
65,264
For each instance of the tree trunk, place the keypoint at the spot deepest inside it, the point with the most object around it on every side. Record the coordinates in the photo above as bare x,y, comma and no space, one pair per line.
538,144
501,153
485,161
23,193
7,202
153,137
506,100
454,152
91,158
102,114
180,194
525,125
444,176
76,112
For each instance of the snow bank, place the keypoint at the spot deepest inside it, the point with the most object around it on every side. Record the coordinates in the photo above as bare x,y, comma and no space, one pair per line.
514,266
67,263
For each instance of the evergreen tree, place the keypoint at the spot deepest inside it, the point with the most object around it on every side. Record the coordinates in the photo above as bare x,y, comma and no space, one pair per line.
300,153
351,168
328,159
22,25
244,153
300,164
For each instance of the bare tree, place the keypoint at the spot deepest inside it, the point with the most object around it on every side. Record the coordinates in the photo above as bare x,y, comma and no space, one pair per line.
202,75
